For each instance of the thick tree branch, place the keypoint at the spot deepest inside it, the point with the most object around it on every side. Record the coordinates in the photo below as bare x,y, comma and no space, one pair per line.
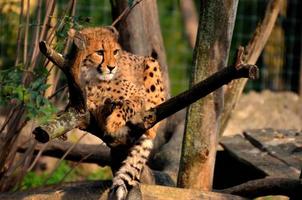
71,68
201,89
76,114
268,186
100,154
99,190
204,88
64,122
52,55
252,52
143,121
190,20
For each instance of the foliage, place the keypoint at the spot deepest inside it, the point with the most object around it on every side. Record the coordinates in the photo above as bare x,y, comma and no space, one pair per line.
14,92
101,174
179,54
9,15
33,179
69,22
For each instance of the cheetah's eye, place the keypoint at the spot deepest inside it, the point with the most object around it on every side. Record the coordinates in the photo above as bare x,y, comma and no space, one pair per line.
115,52
100,52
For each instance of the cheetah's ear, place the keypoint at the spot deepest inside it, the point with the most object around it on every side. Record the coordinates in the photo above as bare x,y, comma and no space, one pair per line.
113,30
78,39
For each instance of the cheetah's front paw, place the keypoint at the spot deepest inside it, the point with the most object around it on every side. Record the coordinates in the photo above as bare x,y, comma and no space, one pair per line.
110,105
118,191
114,123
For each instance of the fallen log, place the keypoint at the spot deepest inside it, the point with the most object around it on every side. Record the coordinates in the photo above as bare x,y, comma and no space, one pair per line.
268,186
99,190
98,153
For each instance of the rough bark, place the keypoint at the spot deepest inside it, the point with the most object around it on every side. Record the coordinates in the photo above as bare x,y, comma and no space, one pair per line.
252,53
190,20
210,54
98,190
79,118
64,122
76,114
98,154
300,78
140,32
268,186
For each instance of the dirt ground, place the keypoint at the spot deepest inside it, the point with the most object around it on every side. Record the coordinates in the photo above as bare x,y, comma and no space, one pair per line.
278,110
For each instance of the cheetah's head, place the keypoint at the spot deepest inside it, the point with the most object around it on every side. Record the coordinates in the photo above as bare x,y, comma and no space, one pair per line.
101,52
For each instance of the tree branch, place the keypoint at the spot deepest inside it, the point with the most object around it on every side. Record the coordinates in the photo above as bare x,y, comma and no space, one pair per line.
201,89
268,186
190,20
99,190
52,55
64,122
100,153
74,118
252,52
76,114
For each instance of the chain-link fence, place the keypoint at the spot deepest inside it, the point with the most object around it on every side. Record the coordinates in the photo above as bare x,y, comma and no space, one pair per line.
279,63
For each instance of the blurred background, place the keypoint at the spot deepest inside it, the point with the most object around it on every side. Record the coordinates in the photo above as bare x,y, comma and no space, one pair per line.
21,27
279,63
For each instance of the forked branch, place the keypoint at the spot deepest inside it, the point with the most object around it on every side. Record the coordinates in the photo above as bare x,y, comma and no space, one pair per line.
252,52
148,118
52,55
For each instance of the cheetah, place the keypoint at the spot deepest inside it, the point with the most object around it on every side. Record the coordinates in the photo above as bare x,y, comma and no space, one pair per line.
119,85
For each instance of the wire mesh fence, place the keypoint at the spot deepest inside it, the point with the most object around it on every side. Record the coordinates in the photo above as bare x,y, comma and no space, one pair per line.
279,63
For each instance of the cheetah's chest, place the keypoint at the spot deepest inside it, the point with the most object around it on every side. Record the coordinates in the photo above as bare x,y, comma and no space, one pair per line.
116,90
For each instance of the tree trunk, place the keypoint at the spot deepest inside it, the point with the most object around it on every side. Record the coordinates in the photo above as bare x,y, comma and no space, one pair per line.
300,79
190,20
140,32
211,52
252,53
98,190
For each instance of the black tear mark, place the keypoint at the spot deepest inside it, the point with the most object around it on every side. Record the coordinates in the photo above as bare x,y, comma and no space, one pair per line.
154,54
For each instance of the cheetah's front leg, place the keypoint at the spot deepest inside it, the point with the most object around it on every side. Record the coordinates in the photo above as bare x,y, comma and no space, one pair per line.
122,112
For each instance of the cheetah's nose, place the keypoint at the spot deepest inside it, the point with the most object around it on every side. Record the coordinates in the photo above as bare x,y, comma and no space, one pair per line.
110,67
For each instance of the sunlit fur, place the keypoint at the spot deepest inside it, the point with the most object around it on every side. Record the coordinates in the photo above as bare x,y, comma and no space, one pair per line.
102,54
132,84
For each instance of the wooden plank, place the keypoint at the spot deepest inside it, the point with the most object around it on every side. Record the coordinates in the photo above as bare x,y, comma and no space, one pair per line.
244,151
98,190
284,145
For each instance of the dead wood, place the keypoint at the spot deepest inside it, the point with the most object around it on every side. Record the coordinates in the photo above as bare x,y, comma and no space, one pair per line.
90,153
77,115
190,20
202,121
268,186
252,53
98,154
99,190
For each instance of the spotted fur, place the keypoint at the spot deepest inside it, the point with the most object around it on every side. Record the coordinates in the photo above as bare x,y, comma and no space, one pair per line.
119,85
